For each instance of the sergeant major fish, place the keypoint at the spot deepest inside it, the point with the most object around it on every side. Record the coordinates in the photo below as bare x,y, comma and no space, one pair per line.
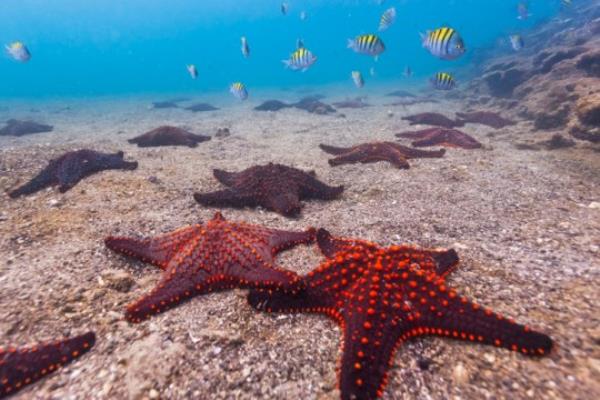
367,44
443,81
387,19
301,59
516,41
358,79
192,70
18,51
245,48
444,43
238,89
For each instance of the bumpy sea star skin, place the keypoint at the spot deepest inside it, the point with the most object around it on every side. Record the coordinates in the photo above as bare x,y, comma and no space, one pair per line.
382,297
22,366
433,119
372,152
203,258
485,118
70,168
168,136
441,137
275,187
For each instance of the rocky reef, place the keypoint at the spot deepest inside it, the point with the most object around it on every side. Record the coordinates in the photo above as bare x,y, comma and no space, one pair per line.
553,81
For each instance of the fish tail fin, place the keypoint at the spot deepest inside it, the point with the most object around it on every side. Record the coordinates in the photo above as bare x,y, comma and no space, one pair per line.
424,37
350,43
286,63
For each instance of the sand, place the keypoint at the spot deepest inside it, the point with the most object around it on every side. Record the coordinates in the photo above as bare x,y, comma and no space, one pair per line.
526,225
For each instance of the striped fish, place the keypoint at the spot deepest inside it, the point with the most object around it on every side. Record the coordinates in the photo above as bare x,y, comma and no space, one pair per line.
444,43
301,59
18,51
358,79
367,44
387,19
192,71
238,89
516,41
245,48
443,81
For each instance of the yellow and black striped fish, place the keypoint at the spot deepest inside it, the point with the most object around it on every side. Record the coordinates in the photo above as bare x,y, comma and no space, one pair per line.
387,19
300,59
443,81
238,89
367,44
444,43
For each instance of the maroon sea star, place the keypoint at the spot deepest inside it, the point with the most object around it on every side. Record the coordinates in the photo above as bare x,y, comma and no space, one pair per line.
67,170
168,136
433,119
441,137
382,297
276,187
485,118
21,366
364,153
218,255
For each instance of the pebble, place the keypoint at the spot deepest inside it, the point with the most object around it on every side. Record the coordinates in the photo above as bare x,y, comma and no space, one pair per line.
460,374
595,205
153,394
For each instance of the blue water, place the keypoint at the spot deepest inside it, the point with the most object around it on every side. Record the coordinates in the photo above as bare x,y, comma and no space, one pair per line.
112,47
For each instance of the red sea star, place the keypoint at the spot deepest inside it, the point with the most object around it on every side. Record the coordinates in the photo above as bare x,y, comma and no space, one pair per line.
218,255
273,186
67,170
429,118
168,136
20,367
364,153
441,137
382,297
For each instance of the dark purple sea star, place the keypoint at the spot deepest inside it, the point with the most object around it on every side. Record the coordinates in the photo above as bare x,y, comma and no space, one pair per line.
168,136
276,187
371,152
441,137
485,118
203,258
22,366
67,170
433,119
382,297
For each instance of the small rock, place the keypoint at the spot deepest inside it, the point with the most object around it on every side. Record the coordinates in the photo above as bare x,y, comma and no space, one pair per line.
222,133
153,394
489,357
153,179
460,374
595,205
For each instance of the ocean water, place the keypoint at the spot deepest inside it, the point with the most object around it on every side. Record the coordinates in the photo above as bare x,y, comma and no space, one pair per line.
112,48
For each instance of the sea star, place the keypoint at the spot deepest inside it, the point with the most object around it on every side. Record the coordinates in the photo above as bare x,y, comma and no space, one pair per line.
276,187
433,119
371,152
382,297
203,258
441,137
168,136
68,169
200,107
21,366
485,118
16,127
357,102
272,105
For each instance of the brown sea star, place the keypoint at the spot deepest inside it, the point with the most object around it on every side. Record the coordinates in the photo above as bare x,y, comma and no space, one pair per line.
21,366
371,152
16,127
433,119
168,136
382,297
441,137
485,118
203,258
276,187
70,168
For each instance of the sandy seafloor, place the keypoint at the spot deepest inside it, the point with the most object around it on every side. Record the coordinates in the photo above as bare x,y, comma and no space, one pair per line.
526,225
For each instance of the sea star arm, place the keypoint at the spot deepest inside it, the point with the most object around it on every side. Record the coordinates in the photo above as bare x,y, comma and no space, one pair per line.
436,310
334,150
226,178
20,367
226,197
330,245
157,250
409,152
311,187
282,240
42,180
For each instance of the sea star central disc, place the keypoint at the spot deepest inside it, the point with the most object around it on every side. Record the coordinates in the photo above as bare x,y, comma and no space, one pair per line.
382,297
441,137
207,257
